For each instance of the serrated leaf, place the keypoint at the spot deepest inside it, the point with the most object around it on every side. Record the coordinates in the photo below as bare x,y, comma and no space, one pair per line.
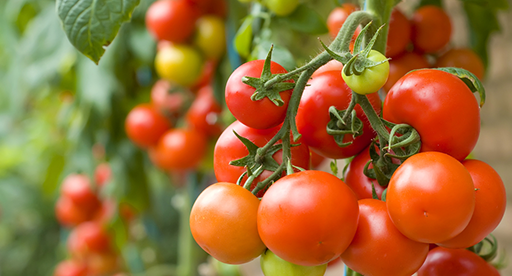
469,79
91,25
243,37
306,20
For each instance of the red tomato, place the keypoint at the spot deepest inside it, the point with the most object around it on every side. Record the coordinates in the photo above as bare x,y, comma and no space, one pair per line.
172,20
455,262
399,34
358,181
308,218
260,114
77,187
204,113
332,65
71,214
463,58
337,18
88,237
440,107
378,248
179,149
431,29
490,204
102,263
401,65
171,103
326,90
102,174
70,268
229,148
144,125
431,197
215,7
223,223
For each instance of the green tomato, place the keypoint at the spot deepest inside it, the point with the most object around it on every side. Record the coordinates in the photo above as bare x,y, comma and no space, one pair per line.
372,79
281,7
272,265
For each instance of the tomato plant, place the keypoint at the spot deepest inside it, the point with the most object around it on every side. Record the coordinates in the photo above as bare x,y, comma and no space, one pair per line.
431,29
144,125
272,265
455,262
371,79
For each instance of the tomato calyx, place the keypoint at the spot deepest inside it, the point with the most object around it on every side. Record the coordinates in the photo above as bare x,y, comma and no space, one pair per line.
474,84
407,139
344,122
383,166
490,253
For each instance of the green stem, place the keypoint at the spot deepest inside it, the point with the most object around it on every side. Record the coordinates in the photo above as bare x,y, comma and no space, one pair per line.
381,12
261,185
350,107
372,116
186,261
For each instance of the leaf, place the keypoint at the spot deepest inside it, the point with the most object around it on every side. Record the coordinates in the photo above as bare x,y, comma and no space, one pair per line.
280,54
53,173
91,25
306,20
243,37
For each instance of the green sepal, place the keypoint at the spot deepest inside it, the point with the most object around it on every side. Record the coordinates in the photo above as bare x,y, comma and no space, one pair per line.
469,79
360,62
334,167
337,128
341,57
384,195
374,192
252,160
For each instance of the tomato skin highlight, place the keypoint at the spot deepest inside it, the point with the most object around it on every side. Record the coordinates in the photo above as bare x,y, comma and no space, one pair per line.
490,205
261,114
223,223
440,107
325,90
144,125
378,248
308,218
421,191
455,262
431,29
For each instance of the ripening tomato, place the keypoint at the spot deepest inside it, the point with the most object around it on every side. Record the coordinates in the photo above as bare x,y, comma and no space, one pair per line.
179,64
455,262
325,90
308,218
401,65
168,100
431,29
69,213
179,149
464,58
440,107
70,268
378,248
358,181
102,174
223,223
337,18
371,79
172,20
281,7
88,237
399,34
490,204
77,187
261,114
210,36
204,113
272,265
431,197
144,125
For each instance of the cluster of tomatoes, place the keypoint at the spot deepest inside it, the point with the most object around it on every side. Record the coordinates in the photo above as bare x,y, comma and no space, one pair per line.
89,243
278,7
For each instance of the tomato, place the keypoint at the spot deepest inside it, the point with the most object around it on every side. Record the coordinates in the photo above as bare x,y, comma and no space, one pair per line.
308,218
261,114
332,65
204,113
144,125
214,7
372,79
464,58
431,29
172,20
401,65
399,33
490,204
210,37
179,64
70,268
179,149
440,107
223,223
325,90
272,265
423,189
337,18
378,248
229,148
102,174
77,187
167,101
358,181
315,159
88,237
102,263
455,262
281,7
70,213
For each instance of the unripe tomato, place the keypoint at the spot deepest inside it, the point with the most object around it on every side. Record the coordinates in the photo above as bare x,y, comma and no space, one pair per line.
401,65
455,262
179,149
272,265
372,79
281,7
77,187
223,223
172,20
70,268
87,238
179,64
210,36
431,29
463,58
399,34
144,125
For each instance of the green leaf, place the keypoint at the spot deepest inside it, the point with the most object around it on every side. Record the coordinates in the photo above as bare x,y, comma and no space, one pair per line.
51,180
306,20
334,167
280,54
469,79
243,37
91,25
494,4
